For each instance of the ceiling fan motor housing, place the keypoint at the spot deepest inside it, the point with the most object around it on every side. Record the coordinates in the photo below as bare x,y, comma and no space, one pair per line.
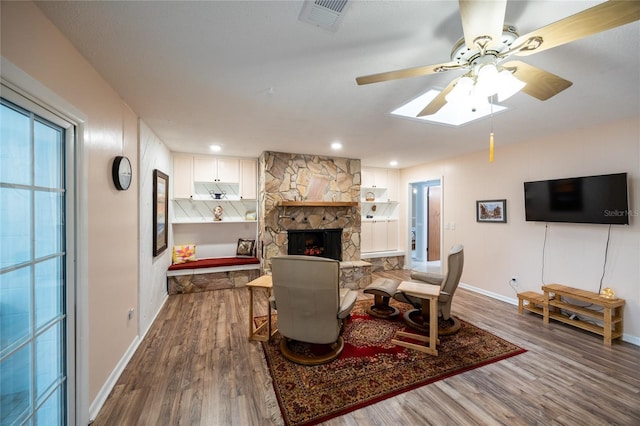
462,55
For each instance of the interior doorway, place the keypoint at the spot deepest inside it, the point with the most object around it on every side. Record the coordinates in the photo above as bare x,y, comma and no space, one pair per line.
426,238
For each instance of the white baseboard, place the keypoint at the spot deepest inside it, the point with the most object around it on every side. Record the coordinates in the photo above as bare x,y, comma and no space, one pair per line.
97,403
102,396
511,301
634,340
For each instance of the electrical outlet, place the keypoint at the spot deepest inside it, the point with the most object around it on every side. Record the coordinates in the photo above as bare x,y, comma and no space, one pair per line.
131,311
514,281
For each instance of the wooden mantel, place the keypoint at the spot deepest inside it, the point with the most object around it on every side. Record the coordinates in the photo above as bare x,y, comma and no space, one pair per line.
285,203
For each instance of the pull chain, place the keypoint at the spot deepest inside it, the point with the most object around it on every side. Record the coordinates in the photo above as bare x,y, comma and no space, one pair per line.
491,134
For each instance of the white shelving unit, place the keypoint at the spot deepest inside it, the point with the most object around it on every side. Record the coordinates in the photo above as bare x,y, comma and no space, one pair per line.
200,184
379,231
201,210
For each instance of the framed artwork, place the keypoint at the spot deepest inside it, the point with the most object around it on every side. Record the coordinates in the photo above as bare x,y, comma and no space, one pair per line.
160,211
491,211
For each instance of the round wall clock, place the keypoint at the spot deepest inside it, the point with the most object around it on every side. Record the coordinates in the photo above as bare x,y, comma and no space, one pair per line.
121,172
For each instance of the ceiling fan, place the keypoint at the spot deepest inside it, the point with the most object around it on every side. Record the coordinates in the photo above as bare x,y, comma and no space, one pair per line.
488,42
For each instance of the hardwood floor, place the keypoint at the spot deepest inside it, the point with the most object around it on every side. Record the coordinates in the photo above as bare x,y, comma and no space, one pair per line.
197,367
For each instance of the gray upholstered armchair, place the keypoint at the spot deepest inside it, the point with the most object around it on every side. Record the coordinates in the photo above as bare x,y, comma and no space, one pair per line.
311,305
448,284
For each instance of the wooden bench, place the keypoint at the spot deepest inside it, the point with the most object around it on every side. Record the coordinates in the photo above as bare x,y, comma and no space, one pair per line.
555,296
535,302
553,301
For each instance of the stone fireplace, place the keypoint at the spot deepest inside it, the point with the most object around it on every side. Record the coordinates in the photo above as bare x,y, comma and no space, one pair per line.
316,242
300,192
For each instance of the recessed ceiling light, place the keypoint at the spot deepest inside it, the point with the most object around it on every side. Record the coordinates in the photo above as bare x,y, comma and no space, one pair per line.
336,146
450,114
393,163
215,148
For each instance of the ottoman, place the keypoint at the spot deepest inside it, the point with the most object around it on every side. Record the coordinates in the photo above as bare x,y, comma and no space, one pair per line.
383,290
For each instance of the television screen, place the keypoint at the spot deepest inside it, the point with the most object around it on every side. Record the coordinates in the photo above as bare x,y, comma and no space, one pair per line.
589,199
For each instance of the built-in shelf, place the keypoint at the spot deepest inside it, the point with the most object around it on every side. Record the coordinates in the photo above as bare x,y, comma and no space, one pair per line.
380,202
202,220
318,203
210,198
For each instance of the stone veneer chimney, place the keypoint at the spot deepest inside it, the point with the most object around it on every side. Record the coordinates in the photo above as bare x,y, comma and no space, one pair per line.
302,177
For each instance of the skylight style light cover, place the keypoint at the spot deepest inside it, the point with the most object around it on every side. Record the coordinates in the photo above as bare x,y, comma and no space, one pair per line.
449,115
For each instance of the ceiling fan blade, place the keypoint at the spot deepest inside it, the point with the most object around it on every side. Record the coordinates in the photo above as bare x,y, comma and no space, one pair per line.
482,18
541,84
603,17
439,101
406,73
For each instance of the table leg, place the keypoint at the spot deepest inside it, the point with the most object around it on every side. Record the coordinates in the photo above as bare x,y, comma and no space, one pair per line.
268,315
607,326
433,324
431,305
545,308
251,326
264,331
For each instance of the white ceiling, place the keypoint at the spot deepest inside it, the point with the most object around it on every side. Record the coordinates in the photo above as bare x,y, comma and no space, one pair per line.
250,76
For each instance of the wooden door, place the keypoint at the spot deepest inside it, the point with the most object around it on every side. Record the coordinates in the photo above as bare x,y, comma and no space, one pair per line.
433,231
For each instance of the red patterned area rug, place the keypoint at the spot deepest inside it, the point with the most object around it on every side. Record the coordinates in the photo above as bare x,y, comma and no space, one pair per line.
371,368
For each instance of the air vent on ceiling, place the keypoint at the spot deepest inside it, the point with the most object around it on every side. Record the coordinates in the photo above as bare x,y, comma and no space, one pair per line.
325,14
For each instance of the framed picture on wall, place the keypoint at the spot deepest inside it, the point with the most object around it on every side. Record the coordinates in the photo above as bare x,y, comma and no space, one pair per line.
160,212
491,211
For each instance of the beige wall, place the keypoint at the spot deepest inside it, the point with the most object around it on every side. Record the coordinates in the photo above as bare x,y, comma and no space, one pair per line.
574,253
35,46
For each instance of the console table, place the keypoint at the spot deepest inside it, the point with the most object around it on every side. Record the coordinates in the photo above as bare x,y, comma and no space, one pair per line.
264,332
429,294
550,303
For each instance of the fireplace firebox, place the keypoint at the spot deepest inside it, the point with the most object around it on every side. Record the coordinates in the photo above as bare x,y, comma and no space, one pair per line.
316,242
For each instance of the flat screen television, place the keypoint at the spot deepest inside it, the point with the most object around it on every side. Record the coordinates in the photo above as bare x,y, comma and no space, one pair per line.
588,199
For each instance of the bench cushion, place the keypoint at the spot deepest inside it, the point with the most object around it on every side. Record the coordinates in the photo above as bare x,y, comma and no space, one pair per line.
215,262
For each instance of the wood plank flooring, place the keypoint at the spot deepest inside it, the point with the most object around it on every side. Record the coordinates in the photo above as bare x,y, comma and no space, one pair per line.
197,367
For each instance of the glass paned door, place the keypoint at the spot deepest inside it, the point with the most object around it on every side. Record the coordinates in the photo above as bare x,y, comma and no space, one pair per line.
33,272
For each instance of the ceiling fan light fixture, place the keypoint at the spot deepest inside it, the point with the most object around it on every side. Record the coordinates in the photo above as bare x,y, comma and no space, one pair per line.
487,82
508,85
483,82
461,91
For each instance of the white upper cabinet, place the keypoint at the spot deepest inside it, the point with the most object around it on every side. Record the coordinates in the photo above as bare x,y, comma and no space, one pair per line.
212,169
384,182
373,177
200,177
182,176
248,179
393,184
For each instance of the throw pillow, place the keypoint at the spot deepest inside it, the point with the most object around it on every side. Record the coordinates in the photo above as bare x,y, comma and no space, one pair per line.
184,253
245,248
